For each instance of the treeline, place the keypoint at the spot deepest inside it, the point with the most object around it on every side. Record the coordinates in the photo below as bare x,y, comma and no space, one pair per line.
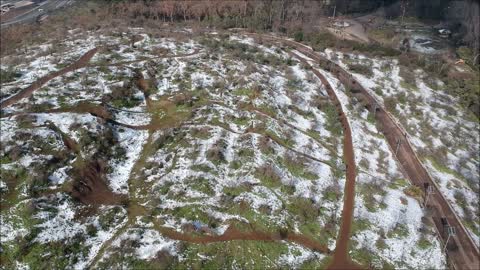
290,15
278,15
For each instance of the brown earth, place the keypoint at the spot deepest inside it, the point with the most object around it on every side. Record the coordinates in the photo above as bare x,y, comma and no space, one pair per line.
233,233
90,185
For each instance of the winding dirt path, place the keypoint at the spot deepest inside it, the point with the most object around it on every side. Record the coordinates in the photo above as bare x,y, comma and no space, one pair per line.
232,234
341,259
24,93
463,253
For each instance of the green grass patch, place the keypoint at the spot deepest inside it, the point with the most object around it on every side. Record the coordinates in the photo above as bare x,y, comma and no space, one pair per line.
361,69
444,169
246,153
360,225
241,121
203,185
203,168
5,160
235,191
268,176
223,255
398,184
8,75
297,168
333,121
423,243
400,231
247,92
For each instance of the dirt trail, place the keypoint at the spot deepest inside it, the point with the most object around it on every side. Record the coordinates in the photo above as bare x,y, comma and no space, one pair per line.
232,234
467,255
341,259
80,63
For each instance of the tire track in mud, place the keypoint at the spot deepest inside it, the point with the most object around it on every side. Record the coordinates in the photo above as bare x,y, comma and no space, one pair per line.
464,254
80,63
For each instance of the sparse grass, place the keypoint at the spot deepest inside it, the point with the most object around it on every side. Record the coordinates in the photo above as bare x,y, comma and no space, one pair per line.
380,243
8,75
368,192
190,212
366,256
203,185
241,121
203,168
237,190
398,183
268,175
442,168
215,155
268,109
5,159
423,243
361,69
414,191
247,92
360,225
296,166
248,254
333,122
201,133
287,142
399,231
246,153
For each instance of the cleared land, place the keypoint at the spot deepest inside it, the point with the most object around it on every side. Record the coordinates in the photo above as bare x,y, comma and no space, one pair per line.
204,150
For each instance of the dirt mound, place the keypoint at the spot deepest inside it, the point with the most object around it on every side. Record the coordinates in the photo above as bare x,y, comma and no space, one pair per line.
90,186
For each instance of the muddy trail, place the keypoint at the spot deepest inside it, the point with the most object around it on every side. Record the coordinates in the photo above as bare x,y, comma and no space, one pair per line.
341,260
463,253
233,233
80,63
